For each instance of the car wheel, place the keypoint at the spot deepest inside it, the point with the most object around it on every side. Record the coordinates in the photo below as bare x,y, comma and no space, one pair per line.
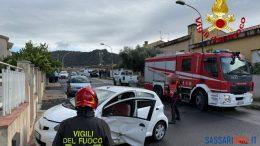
201,101
159,131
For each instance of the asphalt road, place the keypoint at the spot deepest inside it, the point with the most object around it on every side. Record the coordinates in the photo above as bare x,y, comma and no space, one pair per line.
196,127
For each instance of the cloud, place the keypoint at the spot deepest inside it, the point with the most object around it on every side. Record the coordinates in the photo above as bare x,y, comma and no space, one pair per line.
83,24
62,45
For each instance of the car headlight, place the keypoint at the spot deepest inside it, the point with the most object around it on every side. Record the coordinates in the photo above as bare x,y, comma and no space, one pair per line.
227,98
56,128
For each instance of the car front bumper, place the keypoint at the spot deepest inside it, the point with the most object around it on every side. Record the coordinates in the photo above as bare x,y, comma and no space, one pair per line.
230,100
44,137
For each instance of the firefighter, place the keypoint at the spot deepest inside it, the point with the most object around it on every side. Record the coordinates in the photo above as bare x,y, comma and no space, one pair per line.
175,88
84,129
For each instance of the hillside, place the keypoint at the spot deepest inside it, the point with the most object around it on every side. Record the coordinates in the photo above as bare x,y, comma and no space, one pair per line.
93,58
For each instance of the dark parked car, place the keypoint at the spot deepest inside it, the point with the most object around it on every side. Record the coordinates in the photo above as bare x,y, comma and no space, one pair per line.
53,78
94,74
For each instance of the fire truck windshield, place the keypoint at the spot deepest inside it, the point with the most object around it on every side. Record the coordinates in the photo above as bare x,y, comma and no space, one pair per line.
234,67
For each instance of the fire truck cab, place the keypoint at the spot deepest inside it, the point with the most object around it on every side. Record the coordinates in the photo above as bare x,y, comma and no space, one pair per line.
221,79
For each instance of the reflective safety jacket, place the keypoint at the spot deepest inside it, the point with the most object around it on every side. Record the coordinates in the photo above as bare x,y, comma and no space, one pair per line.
83,130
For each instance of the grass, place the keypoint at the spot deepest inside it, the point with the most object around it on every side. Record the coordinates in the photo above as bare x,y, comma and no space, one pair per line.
257,99
253,106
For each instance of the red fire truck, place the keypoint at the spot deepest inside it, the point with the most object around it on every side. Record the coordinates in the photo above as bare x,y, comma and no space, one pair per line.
219,79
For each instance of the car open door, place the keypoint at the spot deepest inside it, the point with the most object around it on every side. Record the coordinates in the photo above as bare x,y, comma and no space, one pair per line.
127,122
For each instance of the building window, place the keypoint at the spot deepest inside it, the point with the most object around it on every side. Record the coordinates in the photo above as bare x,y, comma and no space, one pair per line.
186,65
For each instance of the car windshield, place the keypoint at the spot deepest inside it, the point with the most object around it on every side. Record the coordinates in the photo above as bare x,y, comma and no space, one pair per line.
101,94
63,72
79,80
238,67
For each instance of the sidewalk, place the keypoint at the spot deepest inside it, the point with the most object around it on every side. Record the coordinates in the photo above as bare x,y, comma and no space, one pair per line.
50,86
54,95
104,80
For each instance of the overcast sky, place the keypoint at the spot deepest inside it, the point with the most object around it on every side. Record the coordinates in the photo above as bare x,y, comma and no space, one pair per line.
83,24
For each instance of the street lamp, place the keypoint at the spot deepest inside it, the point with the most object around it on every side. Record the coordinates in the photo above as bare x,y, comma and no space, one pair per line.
102,44
62,60
180,2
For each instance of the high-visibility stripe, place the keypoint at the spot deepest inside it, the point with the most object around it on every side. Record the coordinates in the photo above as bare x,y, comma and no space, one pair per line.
185,74
188,76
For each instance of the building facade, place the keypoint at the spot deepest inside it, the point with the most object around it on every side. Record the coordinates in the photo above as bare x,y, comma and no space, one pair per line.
153,44
5,47
247,42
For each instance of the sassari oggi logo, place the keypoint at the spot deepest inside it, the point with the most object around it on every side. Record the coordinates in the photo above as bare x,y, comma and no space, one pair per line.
229,140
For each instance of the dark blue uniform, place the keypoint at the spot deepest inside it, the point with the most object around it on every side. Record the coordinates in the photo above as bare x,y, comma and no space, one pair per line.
83,130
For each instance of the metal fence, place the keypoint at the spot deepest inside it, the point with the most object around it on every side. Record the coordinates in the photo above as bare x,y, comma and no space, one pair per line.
12,88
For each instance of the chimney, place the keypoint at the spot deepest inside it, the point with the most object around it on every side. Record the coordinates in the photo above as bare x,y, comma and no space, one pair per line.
195,37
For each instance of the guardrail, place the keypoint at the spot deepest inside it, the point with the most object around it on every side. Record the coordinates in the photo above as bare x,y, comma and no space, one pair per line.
12,88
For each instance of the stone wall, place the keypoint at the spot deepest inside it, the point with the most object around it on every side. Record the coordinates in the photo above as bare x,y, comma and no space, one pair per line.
20,123
16,123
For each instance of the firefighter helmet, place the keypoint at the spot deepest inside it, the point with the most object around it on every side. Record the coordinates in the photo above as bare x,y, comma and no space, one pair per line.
86,97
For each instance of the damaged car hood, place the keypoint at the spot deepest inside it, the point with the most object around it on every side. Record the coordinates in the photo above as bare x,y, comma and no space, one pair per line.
59,113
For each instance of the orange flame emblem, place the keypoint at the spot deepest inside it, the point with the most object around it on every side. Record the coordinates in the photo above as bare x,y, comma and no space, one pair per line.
220,17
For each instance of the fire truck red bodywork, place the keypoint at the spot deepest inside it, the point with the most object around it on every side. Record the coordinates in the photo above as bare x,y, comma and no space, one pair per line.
191,69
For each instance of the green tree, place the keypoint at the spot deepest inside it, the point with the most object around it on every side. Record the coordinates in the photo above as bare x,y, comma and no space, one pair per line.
134,59
37,55
256,68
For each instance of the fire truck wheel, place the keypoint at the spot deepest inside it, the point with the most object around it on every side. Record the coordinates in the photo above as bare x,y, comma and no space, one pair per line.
201,101
158,90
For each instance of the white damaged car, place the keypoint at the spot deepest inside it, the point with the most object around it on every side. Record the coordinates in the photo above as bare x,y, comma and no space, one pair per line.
131,113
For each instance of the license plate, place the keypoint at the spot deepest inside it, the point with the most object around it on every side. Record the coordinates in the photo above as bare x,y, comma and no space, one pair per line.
240,102
37,135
